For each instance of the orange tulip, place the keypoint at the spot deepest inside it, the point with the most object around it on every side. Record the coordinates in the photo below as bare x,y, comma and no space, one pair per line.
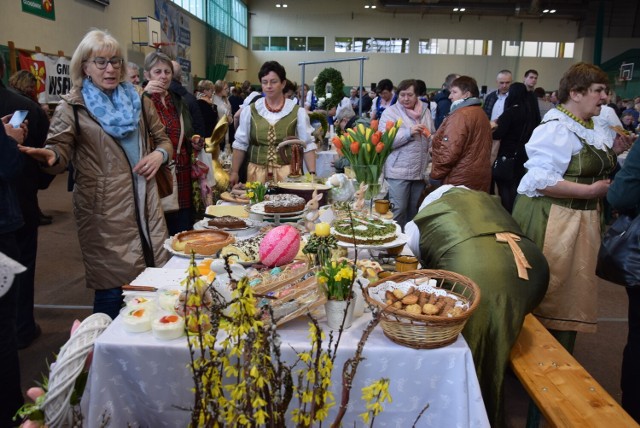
374,124
375,138
355,147
426,132
379,148
389,125
337,142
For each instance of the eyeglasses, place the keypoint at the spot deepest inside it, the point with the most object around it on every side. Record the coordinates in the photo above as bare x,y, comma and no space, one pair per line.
101,63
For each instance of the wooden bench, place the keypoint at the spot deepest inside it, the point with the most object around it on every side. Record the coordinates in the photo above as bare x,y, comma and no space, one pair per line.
562,389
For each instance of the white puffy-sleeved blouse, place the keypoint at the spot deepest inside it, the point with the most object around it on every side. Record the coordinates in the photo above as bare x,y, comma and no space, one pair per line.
551,147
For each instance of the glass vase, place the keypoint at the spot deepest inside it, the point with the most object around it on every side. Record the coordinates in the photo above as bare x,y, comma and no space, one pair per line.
370,175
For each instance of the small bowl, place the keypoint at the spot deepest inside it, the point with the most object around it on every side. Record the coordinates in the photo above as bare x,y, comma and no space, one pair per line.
384,274
406,263
395,251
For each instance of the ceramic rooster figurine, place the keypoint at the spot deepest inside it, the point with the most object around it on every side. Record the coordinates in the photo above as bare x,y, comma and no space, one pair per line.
213,146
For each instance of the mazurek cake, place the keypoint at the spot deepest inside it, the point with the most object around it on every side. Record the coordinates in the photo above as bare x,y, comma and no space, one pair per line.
283,203
365,231
203,242
168,327
227,222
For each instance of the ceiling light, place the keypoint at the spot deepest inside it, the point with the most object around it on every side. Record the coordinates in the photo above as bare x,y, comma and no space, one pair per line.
281,5
373,6
462,9
552,11
278,5
366,6
545,11
455,9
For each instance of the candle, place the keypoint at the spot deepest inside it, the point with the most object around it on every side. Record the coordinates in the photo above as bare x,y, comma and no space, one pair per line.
322,229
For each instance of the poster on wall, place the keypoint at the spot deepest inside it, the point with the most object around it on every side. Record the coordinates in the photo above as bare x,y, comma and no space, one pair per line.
42,8
176,33
52,75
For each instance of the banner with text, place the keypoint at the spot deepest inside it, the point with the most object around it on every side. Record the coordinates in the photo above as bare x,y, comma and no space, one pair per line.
58,78
43,8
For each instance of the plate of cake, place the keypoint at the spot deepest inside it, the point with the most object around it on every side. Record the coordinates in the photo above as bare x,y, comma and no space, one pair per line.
234,225
203,243
368,233
284,204
244,251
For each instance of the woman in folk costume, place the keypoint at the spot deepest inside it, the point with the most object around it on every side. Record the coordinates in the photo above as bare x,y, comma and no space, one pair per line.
266,123
560,199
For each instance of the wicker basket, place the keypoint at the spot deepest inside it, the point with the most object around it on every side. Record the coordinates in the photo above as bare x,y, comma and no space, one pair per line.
427,331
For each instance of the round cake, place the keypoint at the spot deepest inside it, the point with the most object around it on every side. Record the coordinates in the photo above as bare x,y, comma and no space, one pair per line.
227,222
283,203
136,320
168,327
167,299
365,231
139,302
203,242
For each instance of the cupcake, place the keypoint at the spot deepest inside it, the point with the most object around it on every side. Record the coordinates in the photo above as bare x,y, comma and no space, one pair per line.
168,327
136,320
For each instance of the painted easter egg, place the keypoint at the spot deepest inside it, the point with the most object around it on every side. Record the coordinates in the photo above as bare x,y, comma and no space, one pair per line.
280,246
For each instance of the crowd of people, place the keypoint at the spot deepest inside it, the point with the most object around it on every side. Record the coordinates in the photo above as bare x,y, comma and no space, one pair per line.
549,156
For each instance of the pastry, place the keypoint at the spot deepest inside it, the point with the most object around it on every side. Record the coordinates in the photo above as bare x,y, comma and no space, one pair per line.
203,242
283,203
168,327
366,231
227,222
246,250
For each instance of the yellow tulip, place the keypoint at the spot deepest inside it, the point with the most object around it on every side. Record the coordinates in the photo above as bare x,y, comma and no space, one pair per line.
399,123
361,128
368,133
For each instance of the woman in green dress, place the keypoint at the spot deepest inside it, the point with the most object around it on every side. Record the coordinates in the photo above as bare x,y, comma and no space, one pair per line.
455,230
560,200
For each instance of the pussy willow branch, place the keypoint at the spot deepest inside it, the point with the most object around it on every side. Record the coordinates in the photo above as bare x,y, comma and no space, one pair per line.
350,368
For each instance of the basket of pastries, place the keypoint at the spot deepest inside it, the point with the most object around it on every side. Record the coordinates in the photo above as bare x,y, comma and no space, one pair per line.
424,309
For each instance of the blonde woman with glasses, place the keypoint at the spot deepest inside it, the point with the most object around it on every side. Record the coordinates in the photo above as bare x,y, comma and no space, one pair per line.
116,153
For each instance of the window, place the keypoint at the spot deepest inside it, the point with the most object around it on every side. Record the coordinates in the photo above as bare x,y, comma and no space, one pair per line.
454,47
538,49
227,16
291,43
371,44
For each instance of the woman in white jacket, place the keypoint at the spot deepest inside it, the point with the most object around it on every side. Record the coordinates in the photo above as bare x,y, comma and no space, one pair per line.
405,168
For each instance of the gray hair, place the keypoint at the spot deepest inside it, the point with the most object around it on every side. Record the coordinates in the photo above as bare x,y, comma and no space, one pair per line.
154,57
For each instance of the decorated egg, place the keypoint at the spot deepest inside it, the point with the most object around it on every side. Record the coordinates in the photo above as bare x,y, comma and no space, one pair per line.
280,246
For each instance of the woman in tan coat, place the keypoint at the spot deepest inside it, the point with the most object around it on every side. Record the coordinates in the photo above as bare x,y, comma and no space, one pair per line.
117,144
461,149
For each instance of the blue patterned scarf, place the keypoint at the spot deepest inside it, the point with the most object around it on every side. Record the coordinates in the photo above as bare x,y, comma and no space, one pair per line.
118,113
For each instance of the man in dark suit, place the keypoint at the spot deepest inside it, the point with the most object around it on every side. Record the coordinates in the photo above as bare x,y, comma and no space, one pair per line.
27,189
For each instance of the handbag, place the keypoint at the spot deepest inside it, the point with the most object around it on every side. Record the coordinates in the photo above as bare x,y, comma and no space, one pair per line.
170,202
619,254
164,180
504,168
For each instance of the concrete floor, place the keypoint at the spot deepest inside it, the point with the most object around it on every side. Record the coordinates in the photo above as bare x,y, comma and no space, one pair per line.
61,297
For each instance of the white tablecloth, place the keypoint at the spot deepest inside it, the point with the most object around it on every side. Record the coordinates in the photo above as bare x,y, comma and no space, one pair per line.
140,381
